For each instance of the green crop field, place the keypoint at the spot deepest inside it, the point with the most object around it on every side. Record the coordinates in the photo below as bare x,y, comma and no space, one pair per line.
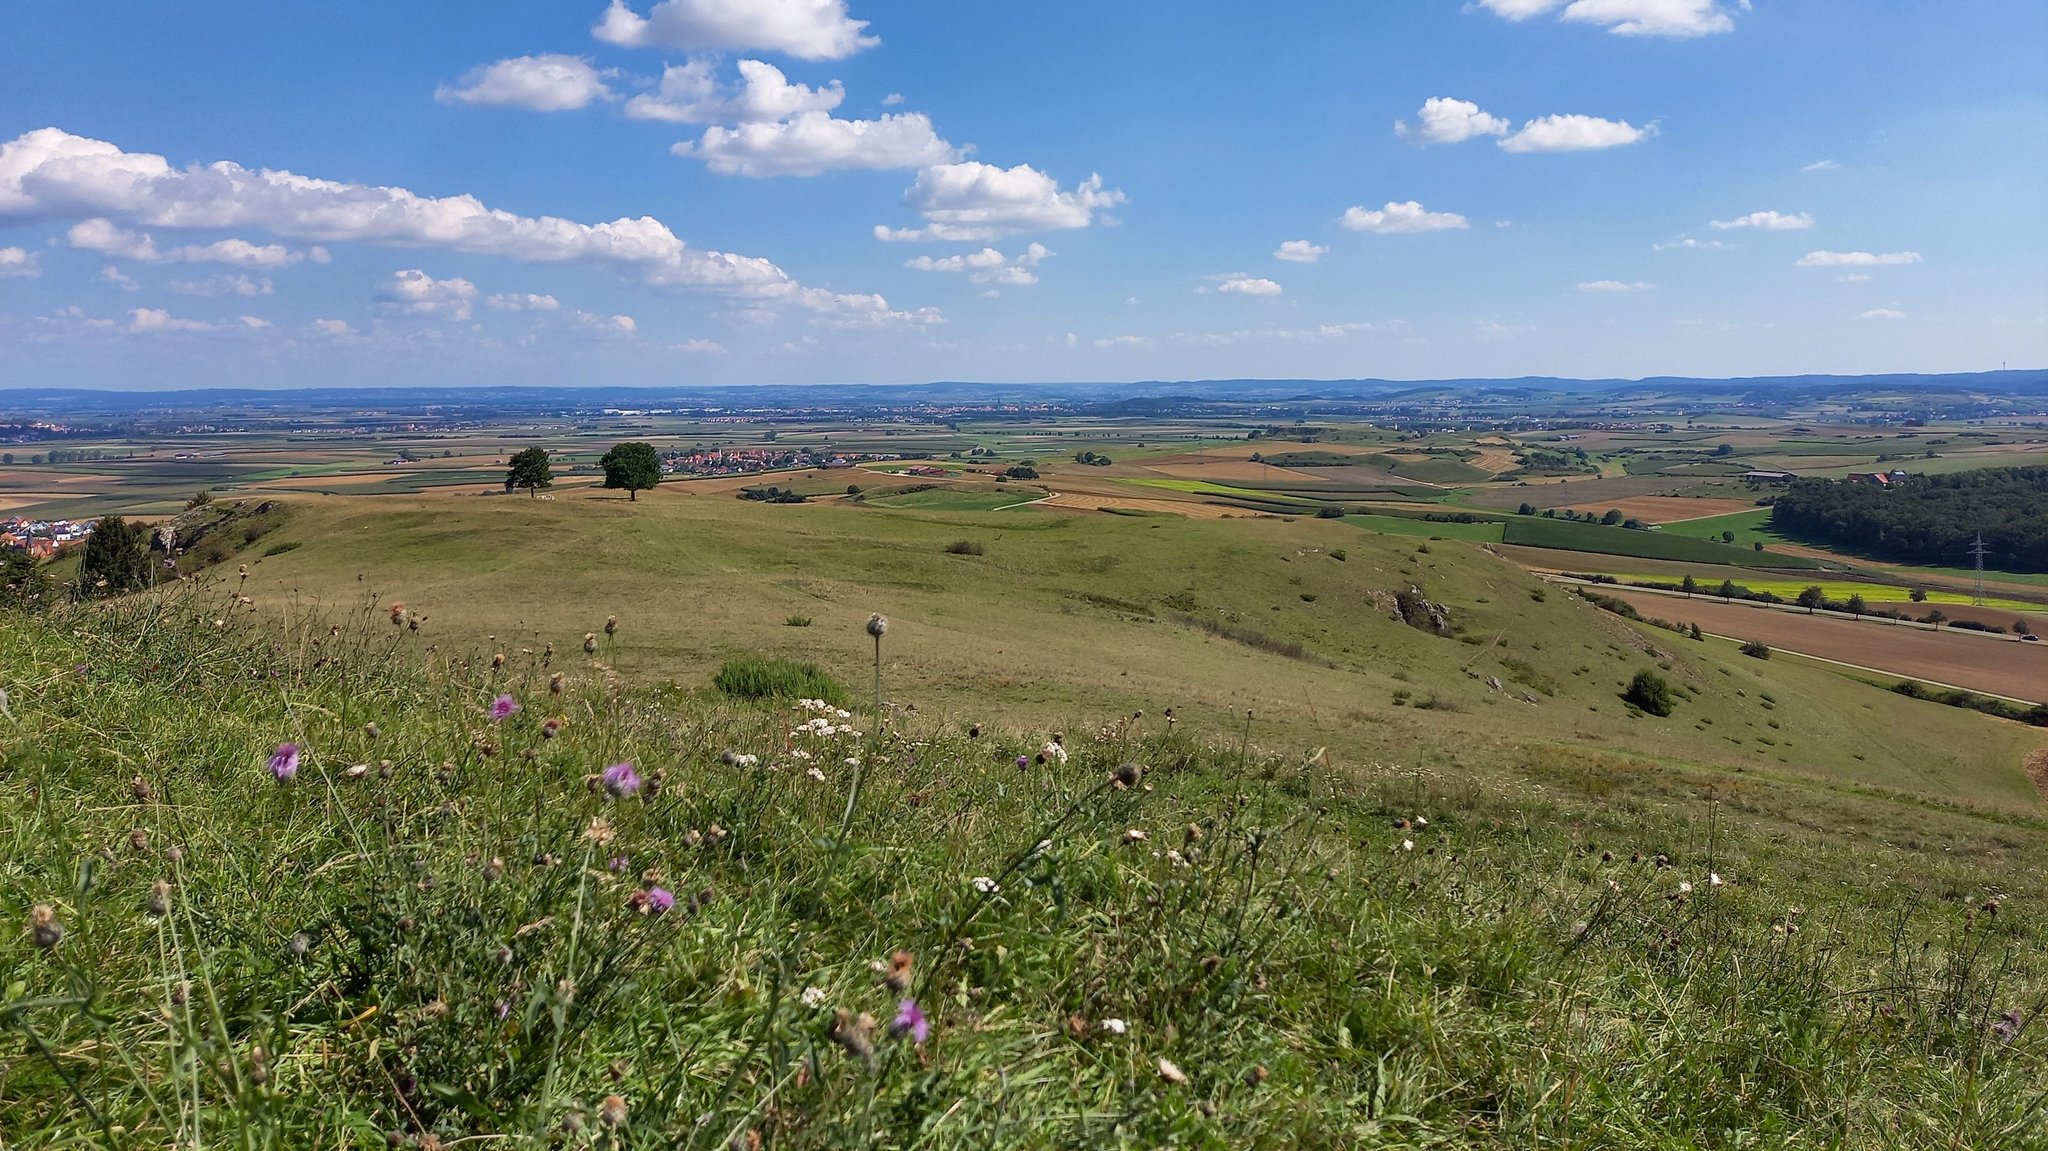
1489,531
1568,535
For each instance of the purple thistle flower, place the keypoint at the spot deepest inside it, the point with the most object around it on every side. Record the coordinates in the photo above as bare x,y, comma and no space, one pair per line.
619,863
503,707
910,1021
1023,761
284,762
660,900
620,780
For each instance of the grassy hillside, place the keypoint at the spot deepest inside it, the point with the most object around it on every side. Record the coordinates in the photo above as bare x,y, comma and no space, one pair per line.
1356,895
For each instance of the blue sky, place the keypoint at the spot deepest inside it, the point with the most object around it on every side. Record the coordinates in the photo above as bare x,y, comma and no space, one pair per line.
666,192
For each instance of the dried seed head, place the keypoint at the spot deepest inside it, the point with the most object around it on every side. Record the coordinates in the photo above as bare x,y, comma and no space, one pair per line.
159,900
556,683
612,1113
1127,775
175,854
898,974
1171,1072
611,625
259,1072
878,625
140,789
138,839
44,928
589,643
855,1034
497,660
370,731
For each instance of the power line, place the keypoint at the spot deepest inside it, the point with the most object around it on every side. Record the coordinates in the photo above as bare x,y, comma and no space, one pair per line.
1977,551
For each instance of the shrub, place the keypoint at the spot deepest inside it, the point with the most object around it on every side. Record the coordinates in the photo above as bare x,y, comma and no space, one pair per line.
964,548
1340,555
797,621
281,548
1756,649
756,678
1651,693
1330,512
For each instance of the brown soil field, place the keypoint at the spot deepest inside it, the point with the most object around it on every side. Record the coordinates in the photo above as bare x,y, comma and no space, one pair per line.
1980,663
1669,509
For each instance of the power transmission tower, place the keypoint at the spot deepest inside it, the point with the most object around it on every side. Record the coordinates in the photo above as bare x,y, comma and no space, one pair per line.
1977,553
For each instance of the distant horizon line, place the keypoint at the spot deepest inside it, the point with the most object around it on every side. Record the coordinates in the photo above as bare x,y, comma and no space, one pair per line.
1037,384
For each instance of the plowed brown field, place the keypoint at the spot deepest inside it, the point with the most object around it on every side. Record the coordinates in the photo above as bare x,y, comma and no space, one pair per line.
1980,663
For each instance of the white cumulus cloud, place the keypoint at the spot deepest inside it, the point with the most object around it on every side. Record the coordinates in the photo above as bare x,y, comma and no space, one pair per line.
1444,120
690,94
972,202
1300,252
1614,286
1398,218
1678,19
608,325
1248,285
1856,259
806,29
1573,133
1769,221
552,83
224,285
521,302
51,174
814,142
17,262
987,266
158,320
1882,314
110,240
415,293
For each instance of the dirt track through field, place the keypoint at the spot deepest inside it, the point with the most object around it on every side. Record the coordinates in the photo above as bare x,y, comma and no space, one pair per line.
1980,663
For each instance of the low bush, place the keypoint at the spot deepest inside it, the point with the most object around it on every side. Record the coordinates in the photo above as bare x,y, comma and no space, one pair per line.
774,679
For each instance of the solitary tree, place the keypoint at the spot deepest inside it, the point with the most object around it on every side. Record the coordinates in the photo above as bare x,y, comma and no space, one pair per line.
1690,586
1612,517
1726,591
633,465
1727,537
1919,594
529,469
1857,605
1813,597
23,582
116,558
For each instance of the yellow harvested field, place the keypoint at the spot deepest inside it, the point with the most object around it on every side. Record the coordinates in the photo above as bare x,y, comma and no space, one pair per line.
1668,509
13,500
1495,461
1228,471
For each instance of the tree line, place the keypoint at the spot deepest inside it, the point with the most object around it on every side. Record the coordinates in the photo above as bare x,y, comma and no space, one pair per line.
1927,519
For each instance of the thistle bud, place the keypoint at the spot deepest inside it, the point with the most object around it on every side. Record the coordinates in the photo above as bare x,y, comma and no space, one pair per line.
878,625
44,928
159,900
589,643
611,625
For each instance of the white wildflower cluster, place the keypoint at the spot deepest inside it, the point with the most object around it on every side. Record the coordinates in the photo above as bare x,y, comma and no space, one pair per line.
823,728
1114,1026
814,773
1053,752
986,886
823,708
814,997
743,759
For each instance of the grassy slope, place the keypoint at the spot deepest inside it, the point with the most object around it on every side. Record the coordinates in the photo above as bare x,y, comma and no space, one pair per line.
1068,616
1499,983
